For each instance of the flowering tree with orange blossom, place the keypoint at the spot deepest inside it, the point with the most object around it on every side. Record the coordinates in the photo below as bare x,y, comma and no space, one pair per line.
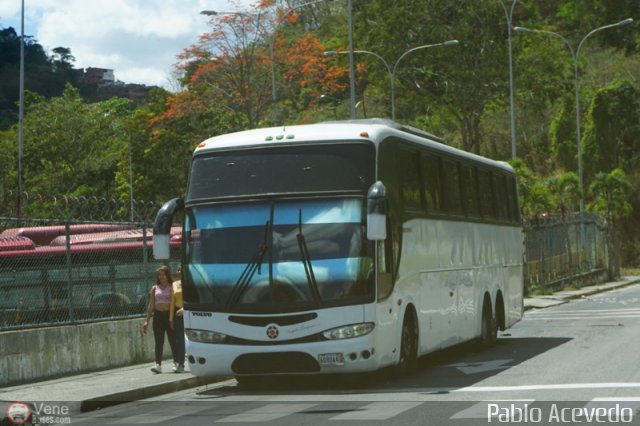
248,60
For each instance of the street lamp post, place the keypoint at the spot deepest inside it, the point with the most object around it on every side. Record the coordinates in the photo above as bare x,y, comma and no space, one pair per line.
509,16
575,55
21,117
352,69
392,70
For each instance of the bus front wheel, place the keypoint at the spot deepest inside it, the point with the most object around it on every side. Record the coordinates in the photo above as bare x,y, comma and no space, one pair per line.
408,345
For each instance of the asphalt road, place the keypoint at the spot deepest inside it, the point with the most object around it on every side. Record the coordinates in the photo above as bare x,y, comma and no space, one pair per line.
573,363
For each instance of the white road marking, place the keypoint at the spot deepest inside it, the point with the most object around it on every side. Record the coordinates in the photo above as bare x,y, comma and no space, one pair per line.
266,413
160,415
377,411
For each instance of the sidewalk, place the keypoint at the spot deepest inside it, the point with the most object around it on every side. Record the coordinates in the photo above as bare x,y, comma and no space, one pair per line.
558,298
90,391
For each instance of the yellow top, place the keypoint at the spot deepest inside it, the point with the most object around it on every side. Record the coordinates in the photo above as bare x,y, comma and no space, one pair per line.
176,299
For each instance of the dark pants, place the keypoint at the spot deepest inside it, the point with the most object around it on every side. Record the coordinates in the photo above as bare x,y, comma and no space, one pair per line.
161,326
178,331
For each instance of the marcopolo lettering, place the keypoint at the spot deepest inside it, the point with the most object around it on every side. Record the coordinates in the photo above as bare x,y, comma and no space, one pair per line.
201,314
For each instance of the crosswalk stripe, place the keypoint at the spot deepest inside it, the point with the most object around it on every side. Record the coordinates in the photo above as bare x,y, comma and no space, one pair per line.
266,413
161,415
620,406
377,411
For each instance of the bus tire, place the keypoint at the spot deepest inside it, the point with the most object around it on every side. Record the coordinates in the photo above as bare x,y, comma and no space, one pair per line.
489,327
408,362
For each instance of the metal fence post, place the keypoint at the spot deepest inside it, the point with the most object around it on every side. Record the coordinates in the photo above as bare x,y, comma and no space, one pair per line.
70,301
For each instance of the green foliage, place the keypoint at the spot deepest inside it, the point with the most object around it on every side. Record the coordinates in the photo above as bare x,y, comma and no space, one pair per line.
563,135
610,193
611,135
42,74
565,191
71,147
535,197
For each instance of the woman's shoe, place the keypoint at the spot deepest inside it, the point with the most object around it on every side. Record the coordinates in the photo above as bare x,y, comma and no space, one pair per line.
157,369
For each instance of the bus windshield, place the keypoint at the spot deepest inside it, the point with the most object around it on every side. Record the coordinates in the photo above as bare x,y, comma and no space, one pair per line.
288,169
277,256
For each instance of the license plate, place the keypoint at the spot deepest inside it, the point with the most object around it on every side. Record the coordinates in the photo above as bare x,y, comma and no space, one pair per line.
331,359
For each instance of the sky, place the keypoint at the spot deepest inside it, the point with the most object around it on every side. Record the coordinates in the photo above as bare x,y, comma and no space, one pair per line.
137,39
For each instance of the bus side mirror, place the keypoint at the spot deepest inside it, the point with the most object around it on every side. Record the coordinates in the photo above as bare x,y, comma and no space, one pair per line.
162,228
377,212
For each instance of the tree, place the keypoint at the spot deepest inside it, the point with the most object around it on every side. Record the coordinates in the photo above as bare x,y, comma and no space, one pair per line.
610,192
563,135
535,197
565,191
566,194
230,63
44,75
612,132
71,147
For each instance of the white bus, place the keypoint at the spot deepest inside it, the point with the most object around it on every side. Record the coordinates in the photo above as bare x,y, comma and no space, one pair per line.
342,247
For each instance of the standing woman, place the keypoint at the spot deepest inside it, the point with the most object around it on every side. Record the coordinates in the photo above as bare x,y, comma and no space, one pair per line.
159,300
176,320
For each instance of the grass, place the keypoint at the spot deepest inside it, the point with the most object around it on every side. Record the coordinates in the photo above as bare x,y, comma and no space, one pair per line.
630,271
536,290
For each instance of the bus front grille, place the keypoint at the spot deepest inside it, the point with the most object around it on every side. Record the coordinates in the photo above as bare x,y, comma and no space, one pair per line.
277,362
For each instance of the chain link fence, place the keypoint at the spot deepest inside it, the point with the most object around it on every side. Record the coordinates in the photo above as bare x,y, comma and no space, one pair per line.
96,264
76,208
562,251
65,272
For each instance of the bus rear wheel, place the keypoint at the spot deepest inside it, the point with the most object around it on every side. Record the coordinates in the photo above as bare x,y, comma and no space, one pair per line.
489,327
408,346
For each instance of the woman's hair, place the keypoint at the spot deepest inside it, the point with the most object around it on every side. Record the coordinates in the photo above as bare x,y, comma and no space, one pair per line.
167,273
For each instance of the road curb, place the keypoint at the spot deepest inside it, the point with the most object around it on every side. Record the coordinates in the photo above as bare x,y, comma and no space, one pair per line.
146,392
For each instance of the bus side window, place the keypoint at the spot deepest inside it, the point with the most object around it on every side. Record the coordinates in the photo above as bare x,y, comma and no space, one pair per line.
486,189
470,191
451,187
431,182
411,188
512,193
500,191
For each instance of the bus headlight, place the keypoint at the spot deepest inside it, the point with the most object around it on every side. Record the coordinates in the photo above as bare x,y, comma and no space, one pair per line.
349,331
204,336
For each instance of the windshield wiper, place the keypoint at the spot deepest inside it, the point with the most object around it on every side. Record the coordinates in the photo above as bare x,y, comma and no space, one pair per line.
247,274
306,260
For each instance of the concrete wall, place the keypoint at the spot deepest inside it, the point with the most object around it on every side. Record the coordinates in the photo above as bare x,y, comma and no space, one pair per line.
36,354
